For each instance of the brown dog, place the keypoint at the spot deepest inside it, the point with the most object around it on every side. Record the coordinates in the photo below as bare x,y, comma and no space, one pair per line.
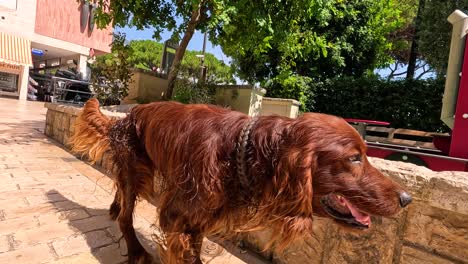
215,171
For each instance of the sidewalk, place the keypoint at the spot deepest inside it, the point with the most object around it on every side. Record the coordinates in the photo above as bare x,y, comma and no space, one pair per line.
53,207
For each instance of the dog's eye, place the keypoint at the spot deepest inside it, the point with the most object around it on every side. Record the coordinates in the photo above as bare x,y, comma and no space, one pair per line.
356,159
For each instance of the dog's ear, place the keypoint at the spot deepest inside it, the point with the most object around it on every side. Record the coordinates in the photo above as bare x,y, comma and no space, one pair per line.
292,188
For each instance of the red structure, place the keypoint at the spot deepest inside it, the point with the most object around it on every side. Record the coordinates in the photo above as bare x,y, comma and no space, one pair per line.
448,152
459,144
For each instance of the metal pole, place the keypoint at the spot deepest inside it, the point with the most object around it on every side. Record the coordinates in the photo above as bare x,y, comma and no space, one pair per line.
203,71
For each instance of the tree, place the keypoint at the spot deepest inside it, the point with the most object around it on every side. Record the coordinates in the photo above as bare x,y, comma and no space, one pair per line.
423,44
435,32
112,74
217,71
414,43
161,15
286,44
147,54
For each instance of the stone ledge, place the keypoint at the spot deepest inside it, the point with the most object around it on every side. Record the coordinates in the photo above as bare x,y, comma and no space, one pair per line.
114,111
446,190
281,101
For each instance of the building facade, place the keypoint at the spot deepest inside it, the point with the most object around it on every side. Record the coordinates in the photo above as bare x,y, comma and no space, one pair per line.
45,35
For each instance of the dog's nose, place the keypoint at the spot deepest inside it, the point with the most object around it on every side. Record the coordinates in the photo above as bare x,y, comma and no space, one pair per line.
405,199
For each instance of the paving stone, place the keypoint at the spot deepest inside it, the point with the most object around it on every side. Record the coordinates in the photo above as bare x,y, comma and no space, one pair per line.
92,223
28,255
81,243
43,234
29,211
13,225
111,254
82,258
4,245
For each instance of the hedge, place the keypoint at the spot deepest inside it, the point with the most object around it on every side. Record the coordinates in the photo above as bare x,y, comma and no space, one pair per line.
412,104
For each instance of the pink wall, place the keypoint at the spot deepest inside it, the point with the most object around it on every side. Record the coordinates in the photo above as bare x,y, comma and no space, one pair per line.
60,19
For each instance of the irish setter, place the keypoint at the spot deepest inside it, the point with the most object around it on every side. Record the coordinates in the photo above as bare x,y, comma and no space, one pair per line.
215,171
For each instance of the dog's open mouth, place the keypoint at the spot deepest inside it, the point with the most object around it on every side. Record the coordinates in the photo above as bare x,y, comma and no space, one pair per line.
343,211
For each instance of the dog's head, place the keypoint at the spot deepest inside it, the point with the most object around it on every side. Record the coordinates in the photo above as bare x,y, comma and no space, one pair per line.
324,160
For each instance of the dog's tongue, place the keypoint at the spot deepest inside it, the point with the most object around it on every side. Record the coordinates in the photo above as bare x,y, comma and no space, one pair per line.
358,215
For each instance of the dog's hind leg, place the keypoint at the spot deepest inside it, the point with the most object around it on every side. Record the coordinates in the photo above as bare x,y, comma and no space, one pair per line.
136,252
114,209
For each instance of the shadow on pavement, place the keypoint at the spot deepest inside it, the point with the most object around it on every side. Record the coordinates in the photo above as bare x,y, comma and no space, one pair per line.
101,234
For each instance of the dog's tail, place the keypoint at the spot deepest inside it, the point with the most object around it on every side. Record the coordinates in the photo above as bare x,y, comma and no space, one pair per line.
91,132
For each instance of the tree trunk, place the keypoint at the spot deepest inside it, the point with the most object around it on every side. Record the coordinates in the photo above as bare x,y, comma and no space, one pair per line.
414,44
179,55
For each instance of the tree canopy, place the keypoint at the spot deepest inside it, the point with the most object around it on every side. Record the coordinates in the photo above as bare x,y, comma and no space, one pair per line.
180,17
425,37
286,44
147,54
435,32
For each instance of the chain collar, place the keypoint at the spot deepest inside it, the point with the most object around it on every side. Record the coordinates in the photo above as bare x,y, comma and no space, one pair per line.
241,147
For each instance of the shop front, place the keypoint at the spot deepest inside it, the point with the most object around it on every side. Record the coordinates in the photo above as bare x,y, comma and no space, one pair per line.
15,61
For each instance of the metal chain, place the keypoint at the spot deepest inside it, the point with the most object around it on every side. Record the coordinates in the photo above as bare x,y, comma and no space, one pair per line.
242,143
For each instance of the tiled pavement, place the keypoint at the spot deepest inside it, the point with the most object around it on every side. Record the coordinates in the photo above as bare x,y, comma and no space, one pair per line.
53,207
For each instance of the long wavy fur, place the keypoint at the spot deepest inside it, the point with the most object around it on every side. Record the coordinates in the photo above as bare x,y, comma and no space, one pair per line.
91,132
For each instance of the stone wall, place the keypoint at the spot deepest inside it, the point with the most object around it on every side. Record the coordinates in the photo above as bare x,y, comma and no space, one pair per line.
243,98
145,87
279,106
433,229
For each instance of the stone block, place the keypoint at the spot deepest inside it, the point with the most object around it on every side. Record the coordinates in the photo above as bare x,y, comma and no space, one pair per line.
376,245
66,122
309,250
71,127
50,116
443,231
414,256
49,130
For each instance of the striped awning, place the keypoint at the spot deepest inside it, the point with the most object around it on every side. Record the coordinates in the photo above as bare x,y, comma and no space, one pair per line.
15,50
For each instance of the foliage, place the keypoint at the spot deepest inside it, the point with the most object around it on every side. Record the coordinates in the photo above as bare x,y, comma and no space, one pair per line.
111,74
436,31
413,104
270,38
402,36
217,71
146,54
194,93
280,44
434,34
289,85
160,15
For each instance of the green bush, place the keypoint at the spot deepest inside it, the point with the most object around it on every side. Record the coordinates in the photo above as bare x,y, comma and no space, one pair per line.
413,104
188,92
111,74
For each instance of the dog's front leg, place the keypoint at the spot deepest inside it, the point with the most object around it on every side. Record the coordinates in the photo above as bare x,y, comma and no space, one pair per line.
183,248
